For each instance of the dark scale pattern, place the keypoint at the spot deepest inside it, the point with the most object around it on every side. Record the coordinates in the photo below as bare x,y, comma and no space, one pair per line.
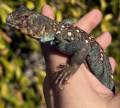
66,39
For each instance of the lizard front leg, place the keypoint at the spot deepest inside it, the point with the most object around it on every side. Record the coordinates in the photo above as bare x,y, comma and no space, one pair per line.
70,68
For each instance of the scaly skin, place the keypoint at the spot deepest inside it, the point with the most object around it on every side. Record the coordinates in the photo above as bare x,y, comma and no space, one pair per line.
68,40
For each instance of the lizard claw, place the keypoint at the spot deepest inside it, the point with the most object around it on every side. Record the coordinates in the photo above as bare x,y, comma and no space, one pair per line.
62,77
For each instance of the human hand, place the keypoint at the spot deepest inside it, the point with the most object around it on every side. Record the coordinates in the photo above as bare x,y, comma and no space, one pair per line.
83,89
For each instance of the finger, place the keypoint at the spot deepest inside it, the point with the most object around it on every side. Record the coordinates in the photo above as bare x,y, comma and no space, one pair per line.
47,11
90,20
104,40
113,63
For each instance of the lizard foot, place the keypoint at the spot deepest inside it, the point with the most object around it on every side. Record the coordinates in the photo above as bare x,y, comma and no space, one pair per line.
63,76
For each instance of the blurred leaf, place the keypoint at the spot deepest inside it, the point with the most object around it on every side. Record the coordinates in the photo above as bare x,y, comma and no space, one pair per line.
9,66
4,90
18,73
75,12
2,104
103,4
58,16
42,3
108,17
4,10
30,5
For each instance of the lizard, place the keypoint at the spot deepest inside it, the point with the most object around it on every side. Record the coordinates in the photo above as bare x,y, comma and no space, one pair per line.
67,39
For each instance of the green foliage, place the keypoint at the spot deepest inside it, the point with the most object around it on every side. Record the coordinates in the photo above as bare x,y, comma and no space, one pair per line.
21,63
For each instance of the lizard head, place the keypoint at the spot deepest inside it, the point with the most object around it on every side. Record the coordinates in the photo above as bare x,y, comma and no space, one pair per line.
30,23
19,19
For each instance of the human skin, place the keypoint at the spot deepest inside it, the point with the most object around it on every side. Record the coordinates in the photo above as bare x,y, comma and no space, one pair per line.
83,89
